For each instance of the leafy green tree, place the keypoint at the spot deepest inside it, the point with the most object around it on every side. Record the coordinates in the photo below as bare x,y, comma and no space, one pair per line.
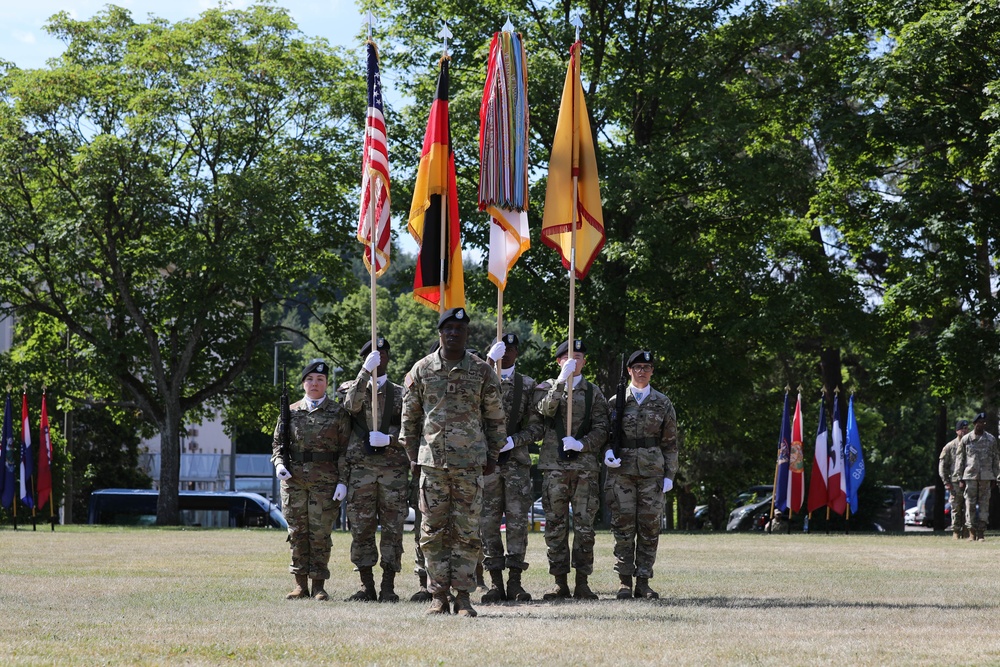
163,186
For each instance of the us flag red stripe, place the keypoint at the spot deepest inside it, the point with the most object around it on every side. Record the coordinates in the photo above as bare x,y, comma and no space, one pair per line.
375,174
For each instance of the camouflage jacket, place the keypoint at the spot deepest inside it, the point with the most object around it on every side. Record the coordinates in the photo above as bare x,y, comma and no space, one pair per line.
356,397
948,462
550,404
323,433
978,457
649,430
452,416
528,428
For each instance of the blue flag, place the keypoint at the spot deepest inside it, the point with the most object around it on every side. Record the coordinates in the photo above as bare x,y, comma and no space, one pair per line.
7,495
854,459
784,453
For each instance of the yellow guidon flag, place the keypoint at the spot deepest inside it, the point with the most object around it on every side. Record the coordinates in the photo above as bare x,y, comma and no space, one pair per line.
573,155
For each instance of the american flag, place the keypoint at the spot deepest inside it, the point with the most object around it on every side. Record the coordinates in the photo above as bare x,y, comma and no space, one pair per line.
375,174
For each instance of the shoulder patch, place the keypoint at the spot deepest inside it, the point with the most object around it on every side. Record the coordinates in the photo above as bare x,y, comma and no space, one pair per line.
408,381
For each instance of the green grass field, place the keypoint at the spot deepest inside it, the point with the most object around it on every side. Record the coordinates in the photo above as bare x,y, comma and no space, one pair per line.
108,596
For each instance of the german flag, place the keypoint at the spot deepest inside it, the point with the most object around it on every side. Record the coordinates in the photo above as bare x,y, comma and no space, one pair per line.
434,212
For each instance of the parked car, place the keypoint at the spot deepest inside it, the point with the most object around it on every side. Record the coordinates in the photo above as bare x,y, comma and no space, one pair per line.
923,512
207,509
750,516
910,499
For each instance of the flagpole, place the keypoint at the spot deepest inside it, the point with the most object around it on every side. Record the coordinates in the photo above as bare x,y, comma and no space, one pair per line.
445,201
577,22
52,514
372,267
499,325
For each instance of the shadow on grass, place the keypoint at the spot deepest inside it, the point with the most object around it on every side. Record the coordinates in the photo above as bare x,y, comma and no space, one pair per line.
724,602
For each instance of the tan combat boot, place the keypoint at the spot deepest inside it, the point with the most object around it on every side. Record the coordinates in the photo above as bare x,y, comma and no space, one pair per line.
387,592
367,591
957,534
972,535
642,589
439,603
421,595
496,594
301,589
582,590
560,590
463,605
625,588
317,590
514,589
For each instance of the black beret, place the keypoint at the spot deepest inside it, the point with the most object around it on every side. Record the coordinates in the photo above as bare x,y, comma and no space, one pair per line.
578,346
318,366
380,344
510,339
457,314
640,357
981,417
961,423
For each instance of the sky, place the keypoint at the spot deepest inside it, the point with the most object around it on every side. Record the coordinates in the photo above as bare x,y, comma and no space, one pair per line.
24,42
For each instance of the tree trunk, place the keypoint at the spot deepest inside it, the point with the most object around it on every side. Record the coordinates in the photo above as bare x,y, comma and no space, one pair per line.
167,506
940,440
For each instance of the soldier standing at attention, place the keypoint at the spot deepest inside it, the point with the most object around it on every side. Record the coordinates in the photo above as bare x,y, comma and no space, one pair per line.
571,465
375,469
507,492
309,473
453,428
639,476
979,461
951,476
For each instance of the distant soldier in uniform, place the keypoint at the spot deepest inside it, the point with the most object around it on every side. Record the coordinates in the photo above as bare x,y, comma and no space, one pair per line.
717,510
309,473
453,427
375,469
571,466
979,461
639,476
507,492
951,476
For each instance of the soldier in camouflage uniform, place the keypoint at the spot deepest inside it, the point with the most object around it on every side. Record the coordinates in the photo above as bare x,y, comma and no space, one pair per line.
453,427
375,469
979,461
309,473
571,467
507,492
639,476
951,476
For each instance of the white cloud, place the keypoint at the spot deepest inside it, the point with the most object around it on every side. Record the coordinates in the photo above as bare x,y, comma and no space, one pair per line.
23,37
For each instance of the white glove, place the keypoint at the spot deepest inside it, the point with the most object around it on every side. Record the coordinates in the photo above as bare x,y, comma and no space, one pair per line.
611,461
509,446
340,492
378,439
497,351
667,484
372,361
282,471
571,444
566,371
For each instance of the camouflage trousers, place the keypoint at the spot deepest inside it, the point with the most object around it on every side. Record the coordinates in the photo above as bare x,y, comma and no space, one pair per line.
977,492
310,511
418,553
636,505
957,508
560,490
507,492
376,496
451,501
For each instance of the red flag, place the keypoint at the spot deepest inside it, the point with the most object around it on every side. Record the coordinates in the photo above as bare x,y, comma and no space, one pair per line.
375,174
434,211
796,464
817,482
44,459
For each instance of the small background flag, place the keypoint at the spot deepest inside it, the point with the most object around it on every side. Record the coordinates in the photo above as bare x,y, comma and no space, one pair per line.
7,495
44,458
503,154
27,458
436,189
796,462
820,469
784,446
375,174
853,458
573,154
837,480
